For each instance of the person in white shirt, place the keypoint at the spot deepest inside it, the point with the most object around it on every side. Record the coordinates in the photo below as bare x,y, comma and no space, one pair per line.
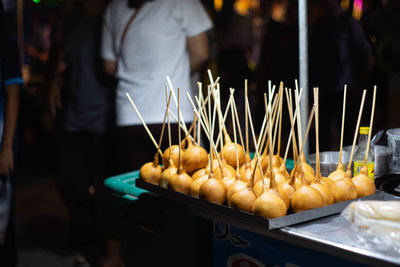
141,46
143,42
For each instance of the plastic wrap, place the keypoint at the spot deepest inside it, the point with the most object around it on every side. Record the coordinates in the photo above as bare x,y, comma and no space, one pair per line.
377,224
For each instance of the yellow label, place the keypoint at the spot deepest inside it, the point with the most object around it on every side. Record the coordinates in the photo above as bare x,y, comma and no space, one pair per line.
364,130
358,165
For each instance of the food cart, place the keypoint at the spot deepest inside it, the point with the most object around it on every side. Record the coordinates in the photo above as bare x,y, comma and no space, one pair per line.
179,233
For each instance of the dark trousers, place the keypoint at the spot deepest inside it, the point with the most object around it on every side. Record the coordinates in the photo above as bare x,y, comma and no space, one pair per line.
83,161
8,251
133,147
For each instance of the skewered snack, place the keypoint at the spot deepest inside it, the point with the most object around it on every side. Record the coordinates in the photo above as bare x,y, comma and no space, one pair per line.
194,158
180,182
172,152
288,188
229,152
344,189
200,173
339,173
151,172
213,190
224,170
262,185
167,174
326,193
195,188
271,203
306,197
364,184
244,199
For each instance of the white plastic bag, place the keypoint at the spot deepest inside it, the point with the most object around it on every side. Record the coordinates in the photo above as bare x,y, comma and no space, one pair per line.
5,203
377,224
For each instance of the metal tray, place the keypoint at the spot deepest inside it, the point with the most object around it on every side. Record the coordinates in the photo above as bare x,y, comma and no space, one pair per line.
258,222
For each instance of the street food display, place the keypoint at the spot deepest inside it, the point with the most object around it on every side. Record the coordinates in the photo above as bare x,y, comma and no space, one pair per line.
227,175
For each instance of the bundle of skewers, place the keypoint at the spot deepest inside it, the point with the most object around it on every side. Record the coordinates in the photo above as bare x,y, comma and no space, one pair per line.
227,174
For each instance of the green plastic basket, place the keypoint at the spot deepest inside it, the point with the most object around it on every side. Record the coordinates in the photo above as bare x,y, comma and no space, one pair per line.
124,185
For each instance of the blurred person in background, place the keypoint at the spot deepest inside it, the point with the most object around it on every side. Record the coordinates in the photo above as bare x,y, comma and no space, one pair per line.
279,56
10,81
80,97
143,42
339,54
235,46
381,23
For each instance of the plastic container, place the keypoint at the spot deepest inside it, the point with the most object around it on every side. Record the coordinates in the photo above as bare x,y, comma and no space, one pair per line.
393,138
329,161
155,231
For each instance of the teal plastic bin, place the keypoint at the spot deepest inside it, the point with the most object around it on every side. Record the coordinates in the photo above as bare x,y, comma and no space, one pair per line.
155,231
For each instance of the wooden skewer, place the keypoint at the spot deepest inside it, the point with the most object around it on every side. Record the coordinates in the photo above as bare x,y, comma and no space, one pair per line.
203,125
221,126
277,120
220,137
300,134
144,124
201,107
270,144
234,135
214,113
308,130
305,138
222,119
266,130
176,103
296,145
169,123
164,122
342,131
211,130
280,121
370,126
290,105
292,122
316,101
287,146
356,131
237,121
199,127
192,128
179,133
183,124
246,116
255,142
203,110
195,128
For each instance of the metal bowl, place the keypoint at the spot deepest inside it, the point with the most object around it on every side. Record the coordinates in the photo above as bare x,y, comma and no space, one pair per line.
383,159
329,161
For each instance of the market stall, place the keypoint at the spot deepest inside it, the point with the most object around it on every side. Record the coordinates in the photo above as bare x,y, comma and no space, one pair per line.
329,240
